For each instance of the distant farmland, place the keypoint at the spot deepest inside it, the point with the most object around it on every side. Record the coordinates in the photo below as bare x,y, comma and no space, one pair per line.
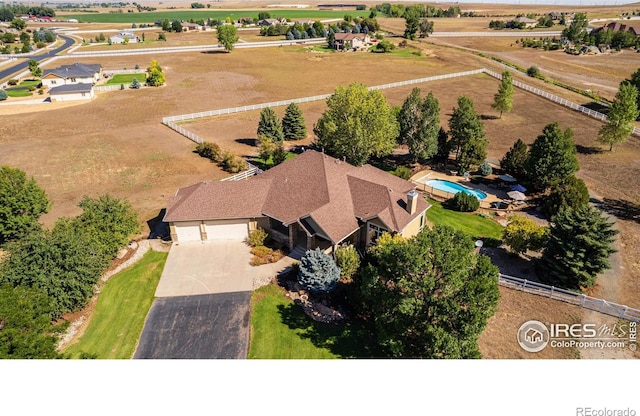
151,17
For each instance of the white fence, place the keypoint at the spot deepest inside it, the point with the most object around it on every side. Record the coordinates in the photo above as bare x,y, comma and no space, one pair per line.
110,87
111,72
584,301
494,34
558,100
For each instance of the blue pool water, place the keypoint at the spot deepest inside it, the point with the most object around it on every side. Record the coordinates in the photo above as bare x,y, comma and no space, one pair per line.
454,188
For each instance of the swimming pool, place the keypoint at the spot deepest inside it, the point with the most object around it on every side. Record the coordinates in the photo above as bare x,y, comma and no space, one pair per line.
454,188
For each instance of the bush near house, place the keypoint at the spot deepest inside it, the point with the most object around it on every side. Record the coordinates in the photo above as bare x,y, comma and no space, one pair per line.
463,202
318,272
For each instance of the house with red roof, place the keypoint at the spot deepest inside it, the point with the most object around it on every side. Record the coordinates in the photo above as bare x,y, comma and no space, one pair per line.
312,200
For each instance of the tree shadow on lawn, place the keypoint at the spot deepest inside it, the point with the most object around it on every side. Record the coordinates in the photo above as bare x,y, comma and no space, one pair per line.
346,340
488,117
620,208
248,141
589,150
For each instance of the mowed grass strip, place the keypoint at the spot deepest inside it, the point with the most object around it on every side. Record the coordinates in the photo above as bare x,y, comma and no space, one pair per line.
127,78
470,223
151,17
18,92
122,307
281,330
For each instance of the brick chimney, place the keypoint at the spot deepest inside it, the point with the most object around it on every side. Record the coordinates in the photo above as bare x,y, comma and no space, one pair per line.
412,202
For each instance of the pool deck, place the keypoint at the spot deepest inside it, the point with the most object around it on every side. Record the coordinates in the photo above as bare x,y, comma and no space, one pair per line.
493,195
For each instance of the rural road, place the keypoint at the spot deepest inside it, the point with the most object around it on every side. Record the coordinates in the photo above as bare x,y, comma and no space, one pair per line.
68,41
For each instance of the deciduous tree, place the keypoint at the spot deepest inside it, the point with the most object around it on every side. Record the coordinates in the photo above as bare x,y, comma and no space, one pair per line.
577,29
503,100
621,116
580,243
22,202
357,124
419,124
293,125
426,28
412,23
227,36
635,81
552,157
522,234
155,76
570,193
429,296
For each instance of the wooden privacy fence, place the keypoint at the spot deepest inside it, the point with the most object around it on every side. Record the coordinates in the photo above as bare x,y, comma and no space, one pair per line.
579,299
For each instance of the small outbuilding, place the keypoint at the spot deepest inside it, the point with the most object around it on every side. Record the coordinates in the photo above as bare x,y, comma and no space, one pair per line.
71,92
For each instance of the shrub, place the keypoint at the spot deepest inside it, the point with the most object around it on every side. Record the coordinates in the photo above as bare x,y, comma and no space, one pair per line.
265,255
463,202
12,82
348,260
402,172
522,234
121,86
572,193
3,95
209,150
232,163
40,91
31,88
486,169
257,237
533,71
318,272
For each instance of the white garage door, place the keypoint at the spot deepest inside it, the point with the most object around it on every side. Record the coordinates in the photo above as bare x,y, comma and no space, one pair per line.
227,230
188,231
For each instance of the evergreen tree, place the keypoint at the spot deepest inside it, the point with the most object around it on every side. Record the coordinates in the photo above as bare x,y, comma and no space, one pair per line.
503,100
293,125
552,157
318,272
467,134
444,147
135,84
580,243
621,116
514,160
571,193
269,125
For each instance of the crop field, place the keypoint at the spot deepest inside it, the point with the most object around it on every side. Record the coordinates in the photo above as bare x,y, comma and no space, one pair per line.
117,144
150,17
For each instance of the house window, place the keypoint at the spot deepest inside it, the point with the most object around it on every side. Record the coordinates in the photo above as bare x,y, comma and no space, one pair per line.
83,94
73,80
53,82
421,222
374,232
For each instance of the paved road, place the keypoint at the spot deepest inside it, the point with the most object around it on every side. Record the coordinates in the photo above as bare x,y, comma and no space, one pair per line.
68,41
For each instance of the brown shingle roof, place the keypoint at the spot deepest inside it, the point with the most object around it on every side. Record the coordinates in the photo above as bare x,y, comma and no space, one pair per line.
349,36
332,192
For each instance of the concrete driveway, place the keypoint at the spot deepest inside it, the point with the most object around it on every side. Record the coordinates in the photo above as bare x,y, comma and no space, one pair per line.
202,268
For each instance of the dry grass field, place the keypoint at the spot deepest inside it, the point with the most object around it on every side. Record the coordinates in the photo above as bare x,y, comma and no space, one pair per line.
117,144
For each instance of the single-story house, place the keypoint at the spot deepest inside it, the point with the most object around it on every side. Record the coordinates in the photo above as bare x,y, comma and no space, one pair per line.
71,92
273,22
312,200
71,74
126,36
187,26
344,41
527,22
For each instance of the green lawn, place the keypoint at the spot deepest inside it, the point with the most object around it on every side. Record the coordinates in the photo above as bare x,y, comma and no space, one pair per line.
122,307
127,78
18,92
151,17
268,164
281,330
470,223
30,82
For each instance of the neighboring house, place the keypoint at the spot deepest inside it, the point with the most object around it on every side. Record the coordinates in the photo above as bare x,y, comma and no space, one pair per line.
71,74
527,22
273,22
344,41
245,21
186,27
633,27
127,34
305,22
71,92
312,200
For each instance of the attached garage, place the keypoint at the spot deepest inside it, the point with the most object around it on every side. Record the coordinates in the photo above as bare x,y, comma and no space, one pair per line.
227,229
188,231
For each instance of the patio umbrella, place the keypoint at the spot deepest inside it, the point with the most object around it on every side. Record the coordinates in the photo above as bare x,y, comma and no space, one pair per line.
519,188
518,196
507,178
